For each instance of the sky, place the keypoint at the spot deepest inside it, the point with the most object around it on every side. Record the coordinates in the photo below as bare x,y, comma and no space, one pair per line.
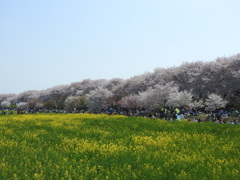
45,43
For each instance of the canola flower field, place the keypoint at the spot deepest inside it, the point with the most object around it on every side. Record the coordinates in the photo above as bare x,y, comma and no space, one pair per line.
87,146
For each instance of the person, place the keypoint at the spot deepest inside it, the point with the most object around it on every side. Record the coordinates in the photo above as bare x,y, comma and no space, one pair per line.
174,117
182,116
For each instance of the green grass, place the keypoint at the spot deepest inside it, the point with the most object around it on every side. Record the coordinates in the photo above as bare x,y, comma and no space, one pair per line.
73,146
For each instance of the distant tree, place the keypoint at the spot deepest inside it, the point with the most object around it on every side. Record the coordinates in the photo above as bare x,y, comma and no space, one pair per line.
22,105
81,103
60,99
5,104
113,101
220,77
97,99
50,104
159,96
75,103
86,86
35,103
130,102
25,96
215,101
57,93
7,97
70,103
179,99
197,104
113,84
142,98
13,106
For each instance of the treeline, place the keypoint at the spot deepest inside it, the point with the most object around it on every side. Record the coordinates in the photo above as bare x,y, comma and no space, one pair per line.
213,85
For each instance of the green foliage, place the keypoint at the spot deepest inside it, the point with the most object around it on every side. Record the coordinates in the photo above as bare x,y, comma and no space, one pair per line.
82,102
60,100
51,104
13,106
235,113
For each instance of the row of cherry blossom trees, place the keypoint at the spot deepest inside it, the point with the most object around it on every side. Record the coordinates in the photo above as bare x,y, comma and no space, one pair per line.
211,84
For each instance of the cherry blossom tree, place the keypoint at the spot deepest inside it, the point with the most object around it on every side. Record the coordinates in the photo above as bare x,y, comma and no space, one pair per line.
179,99
197,104
97,98
159,96
35,103
7,97
22,105
130,102
5,104
215,101
220,77
75,103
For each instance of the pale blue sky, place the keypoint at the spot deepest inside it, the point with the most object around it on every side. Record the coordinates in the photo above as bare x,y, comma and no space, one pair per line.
44,43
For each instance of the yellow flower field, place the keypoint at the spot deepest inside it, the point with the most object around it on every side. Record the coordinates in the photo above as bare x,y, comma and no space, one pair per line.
87,146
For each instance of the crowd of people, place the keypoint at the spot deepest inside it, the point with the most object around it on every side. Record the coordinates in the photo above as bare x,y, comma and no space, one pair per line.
170,114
